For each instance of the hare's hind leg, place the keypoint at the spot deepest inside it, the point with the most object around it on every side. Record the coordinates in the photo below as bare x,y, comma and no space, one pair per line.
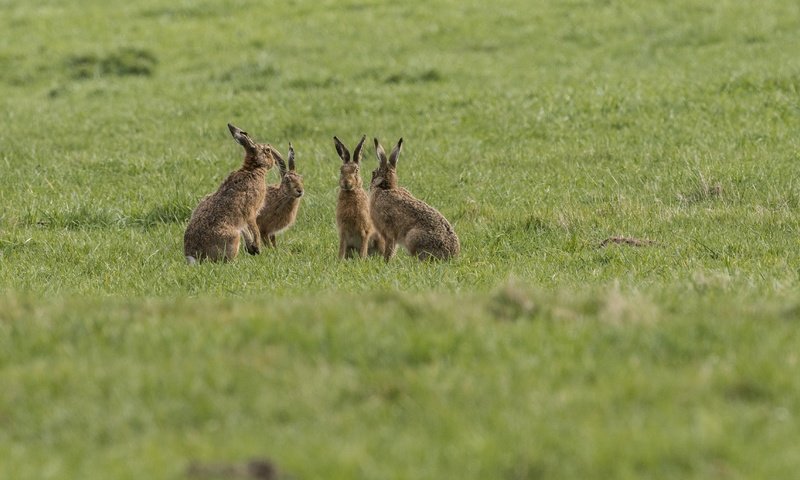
231,248
420,244
426,255
193,255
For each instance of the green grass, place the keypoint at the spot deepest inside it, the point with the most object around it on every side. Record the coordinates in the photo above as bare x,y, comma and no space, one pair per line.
538,128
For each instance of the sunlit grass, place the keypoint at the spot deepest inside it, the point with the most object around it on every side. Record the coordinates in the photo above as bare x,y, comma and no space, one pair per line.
539,129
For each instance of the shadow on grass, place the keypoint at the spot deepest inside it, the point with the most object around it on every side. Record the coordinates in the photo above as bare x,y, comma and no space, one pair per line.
425,76
125,61
703,190
88,217
250,76
171,212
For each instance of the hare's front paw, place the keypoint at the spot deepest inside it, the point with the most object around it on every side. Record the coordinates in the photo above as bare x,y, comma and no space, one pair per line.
253,249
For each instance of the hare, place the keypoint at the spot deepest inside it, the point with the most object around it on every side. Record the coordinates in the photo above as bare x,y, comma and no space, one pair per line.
280,205
356,233
215,225
403,219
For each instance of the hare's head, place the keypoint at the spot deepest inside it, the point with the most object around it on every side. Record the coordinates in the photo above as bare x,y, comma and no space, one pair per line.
291,181
256,155
349,176
385,176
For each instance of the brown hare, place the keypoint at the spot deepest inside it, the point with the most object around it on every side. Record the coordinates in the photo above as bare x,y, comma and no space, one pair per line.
357,236
215,225
403,219
281,202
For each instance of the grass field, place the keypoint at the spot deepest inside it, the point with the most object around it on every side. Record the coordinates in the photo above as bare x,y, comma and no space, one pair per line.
538,128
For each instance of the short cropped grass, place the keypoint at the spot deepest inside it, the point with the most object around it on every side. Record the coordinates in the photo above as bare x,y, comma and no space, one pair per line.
540,129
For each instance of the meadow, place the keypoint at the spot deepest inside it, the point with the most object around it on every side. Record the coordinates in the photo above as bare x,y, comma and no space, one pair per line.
539,129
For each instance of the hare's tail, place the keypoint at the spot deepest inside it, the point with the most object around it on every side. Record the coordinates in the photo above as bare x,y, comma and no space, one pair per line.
190,260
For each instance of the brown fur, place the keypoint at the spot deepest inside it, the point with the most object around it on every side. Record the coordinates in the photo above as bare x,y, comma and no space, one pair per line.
405,220
357,235
215,225
282,201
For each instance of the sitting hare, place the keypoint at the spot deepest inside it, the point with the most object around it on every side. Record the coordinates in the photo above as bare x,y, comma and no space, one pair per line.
357,236
401,218
215,225
281,202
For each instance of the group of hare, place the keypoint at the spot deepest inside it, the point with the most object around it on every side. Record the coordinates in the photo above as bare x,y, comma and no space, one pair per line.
374,224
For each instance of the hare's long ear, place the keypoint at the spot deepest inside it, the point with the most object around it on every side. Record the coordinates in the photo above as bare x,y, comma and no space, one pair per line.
344,154
291,157
380,152
395,153
279,159
358,150
242,137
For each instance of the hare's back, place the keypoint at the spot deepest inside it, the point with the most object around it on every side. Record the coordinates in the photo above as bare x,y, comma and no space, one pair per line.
426,214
